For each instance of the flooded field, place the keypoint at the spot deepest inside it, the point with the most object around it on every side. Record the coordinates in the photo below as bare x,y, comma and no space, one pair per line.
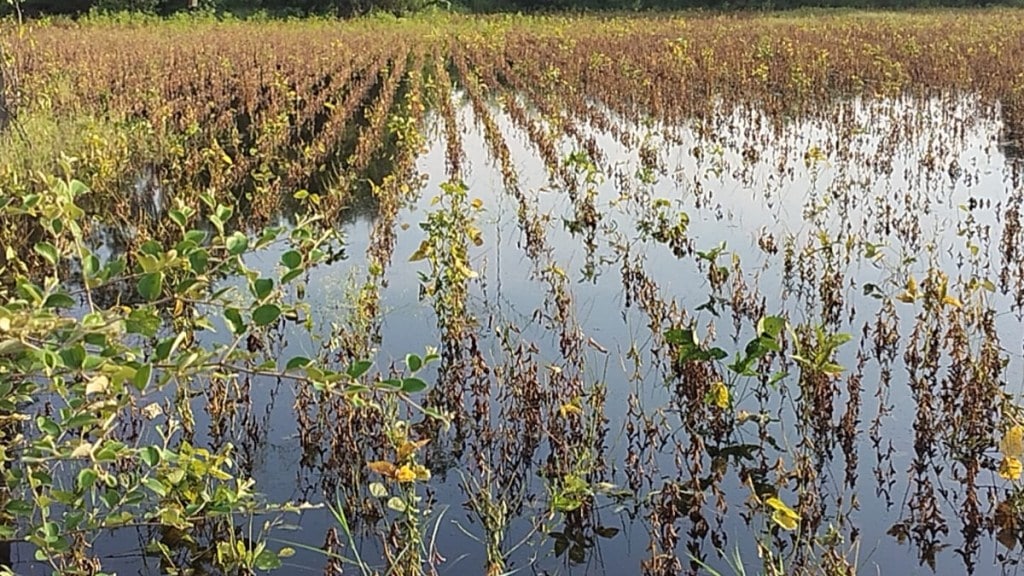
541,296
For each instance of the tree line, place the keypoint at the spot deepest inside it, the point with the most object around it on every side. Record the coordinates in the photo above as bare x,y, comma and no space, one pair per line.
348,8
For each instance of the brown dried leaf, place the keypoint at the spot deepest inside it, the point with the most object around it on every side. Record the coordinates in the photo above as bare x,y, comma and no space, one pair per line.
383,468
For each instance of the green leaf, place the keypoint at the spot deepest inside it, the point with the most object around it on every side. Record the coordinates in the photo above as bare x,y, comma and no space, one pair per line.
80,421
91,265
291,275
114,267
200,260
266,314
413,385
152,247
234,318
110,450
291,259
777,377
832,368
86,479
51,531
268,236
178,217
150,285
771,325
841,338
268,560
48,252
59,300
224,212
142,376
19,508
110,498
167,346
681,337
297,362
414,362
156,486
73,356
150,455
143,321
717,354
78,187
48,426
358,368
237,243
92,362
30,292
176,476
197,236
262,287
148,262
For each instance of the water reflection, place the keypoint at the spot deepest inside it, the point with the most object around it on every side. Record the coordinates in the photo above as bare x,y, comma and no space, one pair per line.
1011,136
622,399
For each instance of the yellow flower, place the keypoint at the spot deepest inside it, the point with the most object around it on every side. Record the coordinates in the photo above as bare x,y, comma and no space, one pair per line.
422,472
719,395
1010,468
572,407
783,515
405,474
1013,442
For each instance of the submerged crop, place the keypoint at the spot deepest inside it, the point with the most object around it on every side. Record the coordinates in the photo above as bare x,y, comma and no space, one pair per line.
698,293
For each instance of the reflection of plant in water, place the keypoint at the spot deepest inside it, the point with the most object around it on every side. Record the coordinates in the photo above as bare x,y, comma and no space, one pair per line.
659,222
586,216
1009,513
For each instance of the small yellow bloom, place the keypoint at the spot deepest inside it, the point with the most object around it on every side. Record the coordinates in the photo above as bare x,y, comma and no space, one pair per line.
719,395
572,407
1013,442
422,472
1010,468
405,474
783,515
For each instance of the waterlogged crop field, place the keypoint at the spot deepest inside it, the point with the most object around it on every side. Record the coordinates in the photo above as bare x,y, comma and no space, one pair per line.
651,295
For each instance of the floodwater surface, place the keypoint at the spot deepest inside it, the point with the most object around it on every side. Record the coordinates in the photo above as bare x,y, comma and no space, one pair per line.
668,348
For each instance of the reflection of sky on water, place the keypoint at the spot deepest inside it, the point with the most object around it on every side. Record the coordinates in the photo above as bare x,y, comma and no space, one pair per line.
784,195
